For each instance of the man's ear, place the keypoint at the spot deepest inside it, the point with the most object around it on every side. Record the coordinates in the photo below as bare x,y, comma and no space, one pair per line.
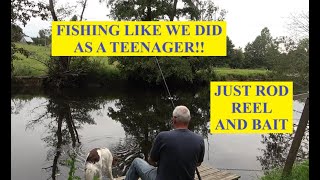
174,121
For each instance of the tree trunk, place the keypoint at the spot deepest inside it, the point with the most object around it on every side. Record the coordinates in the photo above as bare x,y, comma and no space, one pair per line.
83,8
174,10
149,14
53,13
297,140
63,63
69,124
63,60
56,157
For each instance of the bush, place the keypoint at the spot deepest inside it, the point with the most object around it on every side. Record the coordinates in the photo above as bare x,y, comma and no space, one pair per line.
300,171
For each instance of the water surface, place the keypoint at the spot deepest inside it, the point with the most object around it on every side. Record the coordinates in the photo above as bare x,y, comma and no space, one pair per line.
49,130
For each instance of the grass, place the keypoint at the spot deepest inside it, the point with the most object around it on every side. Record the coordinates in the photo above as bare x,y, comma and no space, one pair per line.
241,74
30,66
71,164
247,72
300,171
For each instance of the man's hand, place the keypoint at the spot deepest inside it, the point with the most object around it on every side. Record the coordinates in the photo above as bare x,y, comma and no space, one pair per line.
152,162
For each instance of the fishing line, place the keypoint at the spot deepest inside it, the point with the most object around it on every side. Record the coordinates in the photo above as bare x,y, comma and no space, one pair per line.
170,97
164,80
165,83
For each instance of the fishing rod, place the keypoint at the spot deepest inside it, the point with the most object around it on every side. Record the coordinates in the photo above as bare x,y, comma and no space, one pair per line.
171,98
164,80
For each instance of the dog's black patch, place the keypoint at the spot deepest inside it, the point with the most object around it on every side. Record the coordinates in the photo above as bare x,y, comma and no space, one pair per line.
93,156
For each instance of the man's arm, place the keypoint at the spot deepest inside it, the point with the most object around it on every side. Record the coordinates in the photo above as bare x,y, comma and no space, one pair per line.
155,151
201,155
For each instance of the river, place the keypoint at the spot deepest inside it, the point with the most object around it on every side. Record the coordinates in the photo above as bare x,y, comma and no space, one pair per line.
49,129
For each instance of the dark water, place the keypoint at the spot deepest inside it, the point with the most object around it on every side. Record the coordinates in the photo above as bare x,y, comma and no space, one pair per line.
51,130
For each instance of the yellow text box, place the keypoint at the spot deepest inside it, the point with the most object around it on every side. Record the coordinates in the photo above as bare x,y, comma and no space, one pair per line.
251,107
139,38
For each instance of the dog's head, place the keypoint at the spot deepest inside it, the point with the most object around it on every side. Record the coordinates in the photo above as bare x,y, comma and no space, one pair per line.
91,171
93,156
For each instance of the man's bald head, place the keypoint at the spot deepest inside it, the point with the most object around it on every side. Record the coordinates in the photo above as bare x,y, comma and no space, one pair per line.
181,114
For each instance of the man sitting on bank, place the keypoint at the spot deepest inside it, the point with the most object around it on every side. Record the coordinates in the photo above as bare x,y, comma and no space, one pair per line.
174,155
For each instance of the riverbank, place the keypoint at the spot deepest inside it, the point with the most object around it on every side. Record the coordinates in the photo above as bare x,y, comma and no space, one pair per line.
33,70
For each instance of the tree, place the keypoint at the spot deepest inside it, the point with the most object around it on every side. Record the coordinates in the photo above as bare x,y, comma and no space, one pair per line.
44,37
146,119
236,61
293,64
64,115
44,33
277,148
298,25
22,11
16,33
257,52
145,68
151,9
60,74
208,11
226,60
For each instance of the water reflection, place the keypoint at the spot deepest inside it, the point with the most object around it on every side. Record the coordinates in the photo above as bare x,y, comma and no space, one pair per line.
277,146
63,116
144,115
69,118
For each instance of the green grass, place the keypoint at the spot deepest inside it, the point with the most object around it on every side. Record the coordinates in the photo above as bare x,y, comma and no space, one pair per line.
71,163
101,68
30,66
248,72
300,171
241,74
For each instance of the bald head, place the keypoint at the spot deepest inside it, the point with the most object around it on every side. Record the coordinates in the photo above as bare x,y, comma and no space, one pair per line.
181,114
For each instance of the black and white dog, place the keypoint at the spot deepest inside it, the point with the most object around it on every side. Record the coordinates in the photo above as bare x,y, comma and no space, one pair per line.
98,164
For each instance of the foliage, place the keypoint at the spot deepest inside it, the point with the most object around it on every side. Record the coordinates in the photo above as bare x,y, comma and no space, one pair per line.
221,61
71,163
237,59
286,58
16,33
298,25
277,147
144,120
241,74
208,11
44,37
300,171
145,68
260,51
293,64
65,113
183,69
26,63
22,11
36,62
